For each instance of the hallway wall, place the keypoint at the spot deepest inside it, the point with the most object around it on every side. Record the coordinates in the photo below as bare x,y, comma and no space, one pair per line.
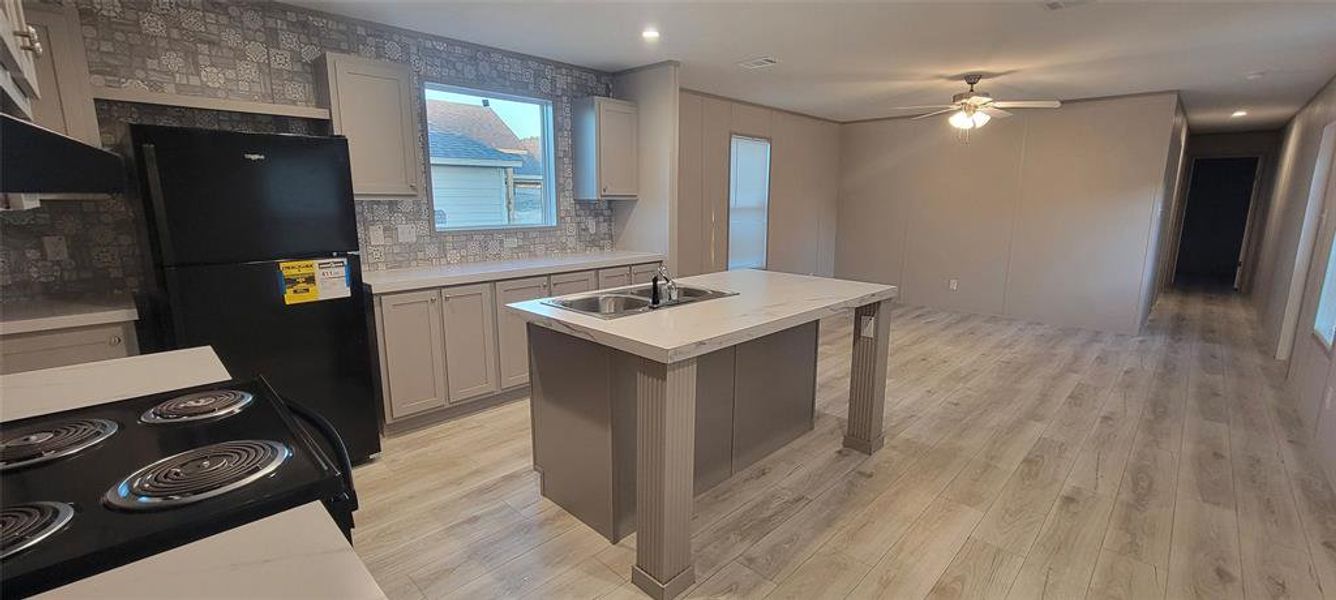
1291,224
1053,216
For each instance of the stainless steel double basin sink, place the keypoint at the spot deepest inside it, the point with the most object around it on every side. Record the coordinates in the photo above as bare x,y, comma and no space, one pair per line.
622,302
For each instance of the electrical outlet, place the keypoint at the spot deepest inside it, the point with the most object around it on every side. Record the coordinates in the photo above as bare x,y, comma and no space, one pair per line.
407,233
375,235
55,247
953,284
512,242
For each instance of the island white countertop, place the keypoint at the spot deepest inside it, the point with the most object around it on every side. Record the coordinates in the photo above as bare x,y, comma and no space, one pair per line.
766,302
298,553
63,313
417,278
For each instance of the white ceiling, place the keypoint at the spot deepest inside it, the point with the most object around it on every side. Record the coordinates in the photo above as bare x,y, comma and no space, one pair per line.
847,61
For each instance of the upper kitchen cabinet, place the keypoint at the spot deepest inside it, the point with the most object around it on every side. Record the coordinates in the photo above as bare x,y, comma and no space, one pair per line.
66,103
371,103
606,164
20,45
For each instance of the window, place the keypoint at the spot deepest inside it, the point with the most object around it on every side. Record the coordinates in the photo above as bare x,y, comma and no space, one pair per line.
491,159
1324,324
748,202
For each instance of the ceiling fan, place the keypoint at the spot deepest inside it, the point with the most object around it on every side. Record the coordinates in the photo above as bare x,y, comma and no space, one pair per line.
972,109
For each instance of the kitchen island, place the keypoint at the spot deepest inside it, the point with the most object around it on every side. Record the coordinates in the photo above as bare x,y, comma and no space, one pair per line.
602,386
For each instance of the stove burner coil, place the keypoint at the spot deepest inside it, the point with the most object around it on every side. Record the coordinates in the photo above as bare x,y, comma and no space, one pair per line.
211,404
25,525
37,445
198,474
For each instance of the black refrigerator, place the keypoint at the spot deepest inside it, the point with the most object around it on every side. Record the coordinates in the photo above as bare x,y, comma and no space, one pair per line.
253,244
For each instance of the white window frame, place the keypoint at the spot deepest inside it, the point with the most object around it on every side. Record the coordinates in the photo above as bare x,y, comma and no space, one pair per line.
549,158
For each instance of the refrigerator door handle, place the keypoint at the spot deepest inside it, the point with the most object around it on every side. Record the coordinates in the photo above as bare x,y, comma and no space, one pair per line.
154,184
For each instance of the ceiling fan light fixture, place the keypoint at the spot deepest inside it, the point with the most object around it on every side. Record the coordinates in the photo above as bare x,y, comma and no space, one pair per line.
980,119
961,120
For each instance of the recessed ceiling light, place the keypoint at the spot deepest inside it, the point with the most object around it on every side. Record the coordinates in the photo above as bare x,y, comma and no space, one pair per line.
1238,113
650,34
1255,75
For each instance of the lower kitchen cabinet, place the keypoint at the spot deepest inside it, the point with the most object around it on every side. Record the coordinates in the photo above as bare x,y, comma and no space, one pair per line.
574,283
412,342
446,347
615,277
61,347
470,341
512,341
643,273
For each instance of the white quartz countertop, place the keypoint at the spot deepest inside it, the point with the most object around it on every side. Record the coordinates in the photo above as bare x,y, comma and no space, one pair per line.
297,553
766,302
31,393
402,280
64,313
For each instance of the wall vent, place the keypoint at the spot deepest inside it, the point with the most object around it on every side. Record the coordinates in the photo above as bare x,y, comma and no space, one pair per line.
760,62
1061,4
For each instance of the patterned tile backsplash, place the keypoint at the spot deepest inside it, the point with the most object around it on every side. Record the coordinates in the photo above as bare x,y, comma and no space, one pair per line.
265,52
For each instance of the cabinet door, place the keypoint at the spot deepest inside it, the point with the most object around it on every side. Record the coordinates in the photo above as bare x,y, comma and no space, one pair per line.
19,47
61,347
470,341
643,273
512,339
573,283
413,343
372,104
66,104
617,157
615,277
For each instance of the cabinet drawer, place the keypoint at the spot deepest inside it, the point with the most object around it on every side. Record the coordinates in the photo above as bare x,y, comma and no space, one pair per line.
616,277
58,348
643,273
573,283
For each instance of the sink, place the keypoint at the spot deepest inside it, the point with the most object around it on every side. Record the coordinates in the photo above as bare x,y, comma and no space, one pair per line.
621,302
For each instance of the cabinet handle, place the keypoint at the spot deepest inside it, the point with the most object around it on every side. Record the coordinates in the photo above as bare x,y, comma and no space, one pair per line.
115,340
34,44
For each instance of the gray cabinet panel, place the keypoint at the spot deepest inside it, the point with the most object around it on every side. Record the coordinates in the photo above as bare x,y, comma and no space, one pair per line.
512,342
372,103
643,273
573,283
413,352
58,348
606,148
614,277
470,341
774,391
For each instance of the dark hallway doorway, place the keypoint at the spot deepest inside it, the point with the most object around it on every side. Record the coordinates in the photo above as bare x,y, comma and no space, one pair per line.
1216,217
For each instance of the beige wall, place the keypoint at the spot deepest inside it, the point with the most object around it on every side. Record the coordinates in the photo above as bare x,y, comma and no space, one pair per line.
1048,215
1164,237
647,223
804,166
1291,224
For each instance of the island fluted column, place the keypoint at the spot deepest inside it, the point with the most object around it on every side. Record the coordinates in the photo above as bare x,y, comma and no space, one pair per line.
665,464
867,377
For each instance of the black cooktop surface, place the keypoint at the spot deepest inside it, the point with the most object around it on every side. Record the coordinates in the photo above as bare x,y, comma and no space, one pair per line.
159,480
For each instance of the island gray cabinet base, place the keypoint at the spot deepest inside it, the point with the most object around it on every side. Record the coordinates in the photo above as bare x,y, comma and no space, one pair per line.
586,399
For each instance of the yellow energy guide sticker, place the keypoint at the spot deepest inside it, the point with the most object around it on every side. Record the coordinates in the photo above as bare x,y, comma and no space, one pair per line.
314,280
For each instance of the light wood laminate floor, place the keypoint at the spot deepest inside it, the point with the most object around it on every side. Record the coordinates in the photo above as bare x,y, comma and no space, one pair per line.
1022,461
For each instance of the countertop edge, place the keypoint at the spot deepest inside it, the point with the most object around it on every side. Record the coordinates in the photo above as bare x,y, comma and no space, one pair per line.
428,281
70,321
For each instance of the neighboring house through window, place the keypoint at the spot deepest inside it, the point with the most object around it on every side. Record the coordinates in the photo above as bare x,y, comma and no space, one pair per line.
491,159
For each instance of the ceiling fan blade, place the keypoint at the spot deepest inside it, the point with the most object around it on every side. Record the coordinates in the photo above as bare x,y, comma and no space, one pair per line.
923,107
935,113
1027,104
995,113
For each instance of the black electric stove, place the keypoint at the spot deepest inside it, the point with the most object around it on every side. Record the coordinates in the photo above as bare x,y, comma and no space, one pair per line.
88,490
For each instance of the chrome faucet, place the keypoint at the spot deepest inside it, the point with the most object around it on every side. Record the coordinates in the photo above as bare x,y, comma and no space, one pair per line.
656,297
